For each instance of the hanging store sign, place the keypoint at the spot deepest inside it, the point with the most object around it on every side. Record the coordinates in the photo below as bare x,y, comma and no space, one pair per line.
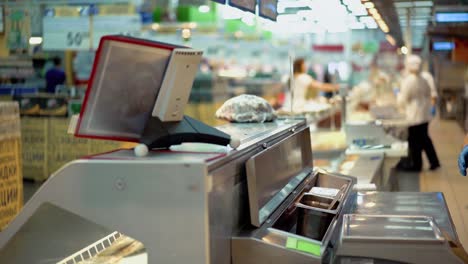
81,28
129,25
66,33
328,48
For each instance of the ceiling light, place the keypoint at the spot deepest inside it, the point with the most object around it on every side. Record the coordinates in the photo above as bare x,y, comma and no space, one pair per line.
35,40
377,16
373,11
404,50
369,5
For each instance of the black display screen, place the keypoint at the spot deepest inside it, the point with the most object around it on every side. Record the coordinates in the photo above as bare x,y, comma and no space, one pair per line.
268,9
245,5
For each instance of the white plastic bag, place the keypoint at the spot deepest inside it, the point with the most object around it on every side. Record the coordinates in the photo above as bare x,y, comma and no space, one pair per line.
246,109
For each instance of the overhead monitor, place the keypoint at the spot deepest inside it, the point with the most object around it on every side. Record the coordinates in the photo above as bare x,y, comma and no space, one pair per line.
245,5
451,17
443,45
268,9
130,77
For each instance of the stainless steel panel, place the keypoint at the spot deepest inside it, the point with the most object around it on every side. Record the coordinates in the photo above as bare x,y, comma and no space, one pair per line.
403,203
269,182
50,235
395,228
250,133
228,199
275,235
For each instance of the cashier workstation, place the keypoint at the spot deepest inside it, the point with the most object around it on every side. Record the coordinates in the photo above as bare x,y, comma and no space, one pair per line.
259,201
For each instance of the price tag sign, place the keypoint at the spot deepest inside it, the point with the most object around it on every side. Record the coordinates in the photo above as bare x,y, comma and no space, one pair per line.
66,33
129,25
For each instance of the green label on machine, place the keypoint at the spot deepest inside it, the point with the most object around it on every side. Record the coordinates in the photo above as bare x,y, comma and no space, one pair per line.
302,245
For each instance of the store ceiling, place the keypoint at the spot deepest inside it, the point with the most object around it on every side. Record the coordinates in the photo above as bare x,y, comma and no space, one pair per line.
420,12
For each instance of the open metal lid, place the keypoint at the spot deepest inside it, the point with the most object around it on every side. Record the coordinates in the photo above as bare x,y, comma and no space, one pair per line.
124,85
390,228
275,172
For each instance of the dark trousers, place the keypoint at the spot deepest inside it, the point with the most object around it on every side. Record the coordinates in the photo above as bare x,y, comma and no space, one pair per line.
419,141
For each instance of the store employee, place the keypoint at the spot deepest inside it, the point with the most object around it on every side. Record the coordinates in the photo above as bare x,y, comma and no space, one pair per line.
302,83
55,76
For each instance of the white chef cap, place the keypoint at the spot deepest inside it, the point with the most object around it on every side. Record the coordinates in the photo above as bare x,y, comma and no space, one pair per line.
413,63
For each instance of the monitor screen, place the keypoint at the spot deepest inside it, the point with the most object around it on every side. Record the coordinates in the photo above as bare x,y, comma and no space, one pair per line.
444,45
124,85
451,17
245,5
268,9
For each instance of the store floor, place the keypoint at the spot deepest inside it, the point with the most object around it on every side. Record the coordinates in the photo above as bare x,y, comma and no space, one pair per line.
448,138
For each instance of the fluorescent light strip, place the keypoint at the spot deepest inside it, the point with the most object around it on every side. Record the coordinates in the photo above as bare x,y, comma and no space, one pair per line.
377,16
369,5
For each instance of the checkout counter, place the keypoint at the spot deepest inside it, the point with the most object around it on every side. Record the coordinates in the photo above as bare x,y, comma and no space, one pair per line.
262,202
257,204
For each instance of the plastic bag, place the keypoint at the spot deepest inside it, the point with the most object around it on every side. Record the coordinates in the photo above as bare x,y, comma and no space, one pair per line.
246,109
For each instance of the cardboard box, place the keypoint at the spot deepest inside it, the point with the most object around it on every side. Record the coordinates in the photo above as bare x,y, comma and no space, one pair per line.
11,180
63,147
34,135
47,146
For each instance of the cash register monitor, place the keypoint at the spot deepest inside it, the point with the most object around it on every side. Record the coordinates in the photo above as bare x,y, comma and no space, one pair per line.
127,83
138,91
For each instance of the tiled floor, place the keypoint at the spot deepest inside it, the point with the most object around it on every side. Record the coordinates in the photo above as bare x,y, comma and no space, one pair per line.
448,140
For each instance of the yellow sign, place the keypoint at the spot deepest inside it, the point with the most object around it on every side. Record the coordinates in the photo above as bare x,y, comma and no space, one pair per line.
67,11
117,9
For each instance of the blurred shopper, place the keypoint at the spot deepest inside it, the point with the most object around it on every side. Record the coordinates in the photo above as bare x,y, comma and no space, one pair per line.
55,76
415,97
327,78
303,83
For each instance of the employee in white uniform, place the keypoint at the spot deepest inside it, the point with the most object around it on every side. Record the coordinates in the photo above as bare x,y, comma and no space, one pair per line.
302,83
415,98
